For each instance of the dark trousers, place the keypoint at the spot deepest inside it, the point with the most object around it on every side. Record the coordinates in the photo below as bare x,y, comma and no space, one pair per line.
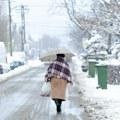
58,102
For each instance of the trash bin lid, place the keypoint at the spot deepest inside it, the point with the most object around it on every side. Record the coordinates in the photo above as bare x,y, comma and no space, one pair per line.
92,60
101,64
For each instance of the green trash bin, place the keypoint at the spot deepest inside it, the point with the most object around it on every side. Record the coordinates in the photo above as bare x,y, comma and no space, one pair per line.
102,76
91,68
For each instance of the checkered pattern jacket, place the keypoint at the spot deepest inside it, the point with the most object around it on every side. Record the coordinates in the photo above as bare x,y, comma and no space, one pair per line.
59,69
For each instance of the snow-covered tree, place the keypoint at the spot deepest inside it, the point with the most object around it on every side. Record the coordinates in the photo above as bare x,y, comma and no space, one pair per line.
100,15
95,45
115,50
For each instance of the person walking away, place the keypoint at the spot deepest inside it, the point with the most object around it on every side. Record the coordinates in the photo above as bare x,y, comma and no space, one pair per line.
58,73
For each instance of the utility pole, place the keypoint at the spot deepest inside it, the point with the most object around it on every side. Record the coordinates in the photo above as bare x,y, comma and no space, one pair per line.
23,33
10,35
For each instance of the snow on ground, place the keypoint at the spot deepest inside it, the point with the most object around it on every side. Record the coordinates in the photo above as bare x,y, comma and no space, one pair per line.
101,104
104,104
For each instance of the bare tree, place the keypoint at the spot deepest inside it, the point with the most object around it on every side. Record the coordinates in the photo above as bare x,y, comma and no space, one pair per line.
17,42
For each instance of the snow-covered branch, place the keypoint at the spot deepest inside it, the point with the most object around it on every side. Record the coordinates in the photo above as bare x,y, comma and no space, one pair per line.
73,17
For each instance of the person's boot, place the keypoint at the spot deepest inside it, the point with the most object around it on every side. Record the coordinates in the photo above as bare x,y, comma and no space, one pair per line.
58,108
58,105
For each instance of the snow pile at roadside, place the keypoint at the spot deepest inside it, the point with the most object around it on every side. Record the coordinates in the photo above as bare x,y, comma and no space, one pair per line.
14,72
21,69
100,104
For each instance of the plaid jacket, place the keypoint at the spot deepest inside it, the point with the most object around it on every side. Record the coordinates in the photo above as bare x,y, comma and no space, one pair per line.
59,69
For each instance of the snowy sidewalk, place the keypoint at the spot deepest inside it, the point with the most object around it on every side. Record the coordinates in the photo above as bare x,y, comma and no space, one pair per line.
100,104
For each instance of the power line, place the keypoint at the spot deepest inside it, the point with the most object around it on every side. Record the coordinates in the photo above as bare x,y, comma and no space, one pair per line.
44,25
42,19
47,26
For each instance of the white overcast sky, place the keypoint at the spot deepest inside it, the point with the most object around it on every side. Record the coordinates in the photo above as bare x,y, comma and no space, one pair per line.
39,18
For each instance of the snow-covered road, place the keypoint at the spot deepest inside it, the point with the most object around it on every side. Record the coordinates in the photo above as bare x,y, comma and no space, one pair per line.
20,99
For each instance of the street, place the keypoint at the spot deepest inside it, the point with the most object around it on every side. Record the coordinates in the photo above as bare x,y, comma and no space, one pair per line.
20,99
